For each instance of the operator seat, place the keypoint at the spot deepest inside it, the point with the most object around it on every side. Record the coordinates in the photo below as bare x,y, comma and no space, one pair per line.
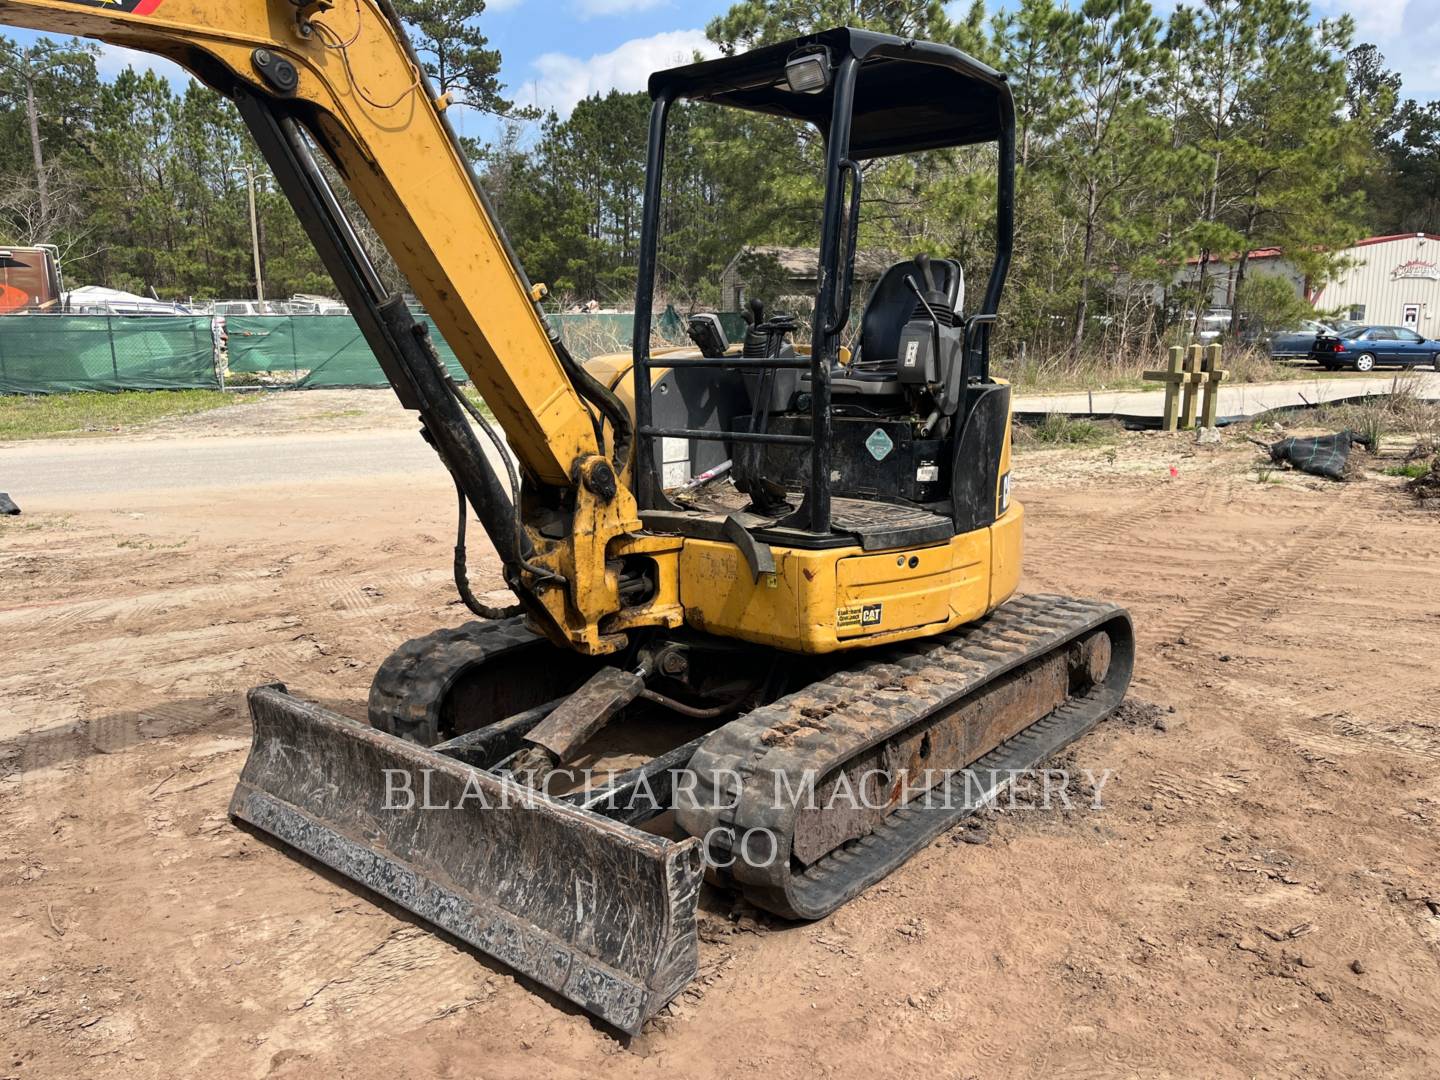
892,304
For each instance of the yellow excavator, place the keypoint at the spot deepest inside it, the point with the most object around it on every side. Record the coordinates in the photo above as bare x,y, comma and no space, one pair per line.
779,575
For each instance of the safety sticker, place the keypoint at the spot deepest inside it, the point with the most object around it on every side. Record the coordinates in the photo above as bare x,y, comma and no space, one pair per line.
129,7
879,444
863,616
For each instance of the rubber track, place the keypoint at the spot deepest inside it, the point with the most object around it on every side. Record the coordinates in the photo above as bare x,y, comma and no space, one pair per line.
883,696
409,690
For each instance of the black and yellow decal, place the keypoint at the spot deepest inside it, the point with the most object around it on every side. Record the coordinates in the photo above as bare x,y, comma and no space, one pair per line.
862,615
129,7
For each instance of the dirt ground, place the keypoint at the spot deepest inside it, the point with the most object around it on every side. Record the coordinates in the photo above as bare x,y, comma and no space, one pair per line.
1260,895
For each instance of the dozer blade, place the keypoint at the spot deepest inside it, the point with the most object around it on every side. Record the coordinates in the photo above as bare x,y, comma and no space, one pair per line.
600,912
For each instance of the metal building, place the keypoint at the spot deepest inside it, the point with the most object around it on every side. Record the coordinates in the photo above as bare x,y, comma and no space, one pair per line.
1394,280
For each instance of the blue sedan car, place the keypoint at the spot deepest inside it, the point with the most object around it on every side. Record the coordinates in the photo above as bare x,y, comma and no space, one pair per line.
1367,347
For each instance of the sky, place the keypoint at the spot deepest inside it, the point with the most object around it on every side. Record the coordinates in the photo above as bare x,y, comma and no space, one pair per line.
556,52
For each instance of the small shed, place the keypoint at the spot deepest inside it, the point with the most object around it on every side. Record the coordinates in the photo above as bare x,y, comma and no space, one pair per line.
800,267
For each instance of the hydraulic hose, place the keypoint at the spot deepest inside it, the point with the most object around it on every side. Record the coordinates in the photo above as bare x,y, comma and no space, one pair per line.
462,576
593,390
539,572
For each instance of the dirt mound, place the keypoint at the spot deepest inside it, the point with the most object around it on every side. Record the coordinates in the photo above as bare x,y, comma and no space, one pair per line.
1426,487
1136,713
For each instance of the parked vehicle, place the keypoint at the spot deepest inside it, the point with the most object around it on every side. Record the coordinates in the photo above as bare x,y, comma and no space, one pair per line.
98,300
1299,342
1367,347
29,279
297,305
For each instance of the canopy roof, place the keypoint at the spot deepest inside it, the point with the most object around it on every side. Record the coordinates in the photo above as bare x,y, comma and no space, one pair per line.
910,95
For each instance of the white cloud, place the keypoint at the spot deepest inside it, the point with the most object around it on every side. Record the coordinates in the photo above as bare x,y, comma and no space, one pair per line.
502,5
562,81
1373,18
591,8
1412,47
1406,31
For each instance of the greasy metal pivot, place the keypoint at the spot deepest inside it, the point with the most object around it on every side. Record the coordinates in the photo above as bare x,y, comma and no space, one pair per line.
279,74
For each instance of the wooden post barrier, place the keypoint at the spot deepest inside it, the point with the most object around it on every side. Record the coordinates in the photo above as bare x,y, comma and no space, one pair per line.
1192,375
1214,376
1174,378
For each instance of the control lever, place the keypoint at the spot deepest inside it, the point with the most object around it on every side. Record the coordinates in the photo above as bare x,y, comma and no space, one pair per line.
915,288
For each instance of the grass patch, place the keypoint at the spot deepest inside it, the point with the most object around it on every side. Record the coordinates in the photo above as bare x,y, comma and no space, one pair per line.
1374,426
51,415
136,544
1060,430
1401,412
1108,371
1412,471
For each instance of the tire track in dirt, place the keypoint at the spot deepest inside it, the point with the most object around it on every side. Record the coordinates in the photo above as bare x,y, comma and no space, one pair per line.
1156,501
1291,572
343,980
1221,614
1192,788
251,634
1344,735
45,621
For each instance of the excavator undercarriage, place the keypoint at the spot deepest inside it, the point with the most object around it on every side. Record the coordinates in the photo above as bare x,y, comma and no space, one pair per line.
782,669
800,802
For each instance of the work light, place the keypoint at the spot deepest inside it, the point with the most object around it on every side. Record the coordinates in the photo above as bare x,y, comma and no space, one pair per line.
808,73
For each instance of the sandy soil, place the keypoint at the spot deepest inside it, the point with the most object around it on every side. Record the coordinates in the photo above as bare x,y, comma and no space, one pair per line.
270,412
1260,895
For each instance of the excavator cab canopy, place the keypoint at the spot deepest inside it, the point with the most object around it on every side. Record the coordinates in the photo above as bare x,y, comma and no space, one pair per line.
909,95
871,96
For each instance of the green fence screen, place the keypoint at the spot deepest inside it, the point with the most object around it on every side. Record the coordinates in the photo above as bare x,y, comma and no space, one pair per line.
51,354
329,350
44,354
319,350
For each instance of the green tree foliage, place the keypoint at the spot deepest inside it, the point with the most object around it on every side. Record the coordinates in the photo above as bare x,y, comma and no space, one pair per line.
1147,146
1109,46
48,90
142,182
456,54
572,203
1416,162
1403,193
1269,302
760,22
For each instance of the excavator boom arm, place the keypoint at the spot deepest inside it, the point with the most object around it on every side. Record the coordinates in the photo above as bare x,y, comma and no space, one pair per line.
343,77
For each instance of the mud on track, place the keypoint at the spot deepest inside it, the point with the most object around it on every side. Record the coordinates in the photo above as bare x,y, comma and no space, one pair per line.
1283,825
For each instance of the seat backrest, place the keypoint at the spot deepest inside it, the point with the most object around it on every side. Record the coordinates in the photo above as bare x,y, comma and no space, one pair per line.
892,303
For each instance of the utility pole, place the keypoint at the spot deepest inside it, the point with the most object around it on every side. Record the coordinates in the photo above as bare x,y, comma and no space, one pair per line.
249,171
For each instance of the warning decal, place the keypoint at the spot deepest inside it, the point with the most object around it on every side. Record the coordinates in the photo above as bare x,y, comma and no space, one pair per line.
863,616
129,7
